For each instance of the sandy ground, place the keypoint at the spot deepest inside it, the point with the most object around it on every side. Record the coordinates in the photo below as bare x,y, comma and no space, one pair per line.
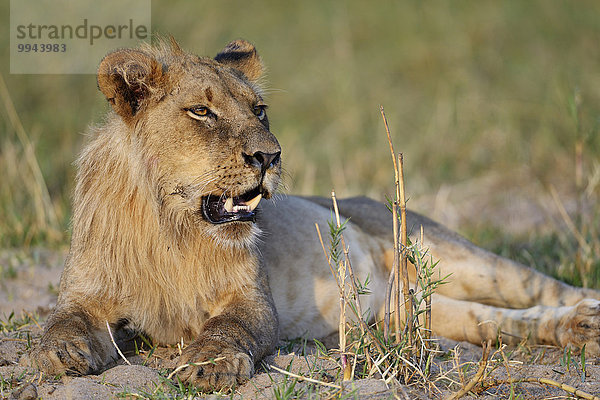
28,287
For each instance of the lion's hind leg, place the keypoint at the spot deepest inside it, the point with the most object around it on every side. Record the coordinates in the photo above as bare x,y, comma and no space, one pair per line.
566,326
481,276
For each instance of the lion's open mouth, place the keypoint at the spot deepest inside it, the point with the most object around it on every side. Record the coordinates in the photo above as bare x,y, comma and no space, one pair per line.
221,209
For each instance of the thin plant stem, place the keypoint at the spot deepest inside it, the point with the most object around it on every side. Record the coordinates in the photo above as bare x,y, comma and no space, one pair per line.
396,268
427,305
353,286
337,281
303,378
403,260
342,267
396,291
477,377
374,339
112,339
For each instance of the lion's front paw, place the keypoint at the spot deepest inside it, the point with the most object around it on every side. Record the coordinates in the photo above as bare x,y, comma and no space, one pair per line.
55,357
214,366
581,326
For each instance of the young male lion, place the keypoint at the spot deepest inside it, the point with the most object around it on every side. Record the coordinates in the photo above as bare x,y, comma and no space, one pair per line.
168,239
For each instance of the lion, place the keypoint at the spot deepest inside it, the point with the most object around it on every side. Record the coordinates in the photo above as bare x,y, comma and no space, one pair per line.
176,235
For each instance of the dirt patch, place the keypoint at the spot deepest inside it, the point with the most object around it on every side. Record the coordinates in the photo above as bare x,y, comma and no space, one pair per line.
28,287
29,281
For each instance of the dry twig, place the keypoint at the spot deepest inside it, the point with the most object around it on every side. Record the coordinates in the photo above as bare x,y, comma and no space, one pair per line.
342,267
326,256
304,378
353,286
477,377
404,255
112,339
399,254
199,364
363,324
544,381
427,307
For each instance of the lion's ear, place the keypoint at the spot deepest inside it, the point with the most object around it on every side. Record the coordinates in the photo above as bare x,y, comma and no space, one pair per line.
127,78
242,56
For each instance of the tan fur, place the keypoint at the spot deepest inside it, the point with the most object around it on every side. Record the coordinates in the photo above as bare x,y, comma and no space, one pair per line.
144,256
485,294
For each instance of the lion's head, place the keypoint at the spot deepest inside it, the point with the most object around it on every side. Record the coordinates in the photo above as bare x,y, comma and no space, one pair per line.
200,130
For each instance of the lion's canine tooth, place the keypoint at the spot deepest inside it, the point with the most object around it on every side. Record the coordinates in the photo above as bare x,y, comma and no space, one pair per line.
229,204
254,202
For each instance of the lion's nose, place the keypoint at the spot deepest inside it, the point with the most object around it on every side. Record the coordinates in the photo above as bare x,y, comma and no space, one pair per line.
262,160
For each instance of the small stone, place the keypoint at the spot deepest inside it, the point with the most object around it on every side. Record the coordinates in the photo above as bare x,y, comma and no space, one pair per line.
25,392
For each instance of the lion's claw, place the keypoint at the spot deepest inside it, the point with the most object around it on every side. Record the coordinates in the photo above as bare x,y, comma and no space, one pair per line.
58,357
212,368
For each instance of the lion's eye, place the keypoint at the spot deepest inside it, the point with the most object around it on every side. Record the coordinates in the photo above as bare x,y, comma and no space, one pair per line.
260,113
198,112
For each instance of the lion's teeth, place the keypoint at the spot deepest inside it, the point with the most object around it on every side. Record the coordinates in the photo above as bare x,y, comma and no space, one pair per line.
254,202
248,206
229,204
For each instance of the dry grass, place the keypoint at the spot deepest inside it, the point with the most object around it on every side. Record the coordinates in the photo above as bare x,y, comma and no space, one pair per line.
402,355
22,169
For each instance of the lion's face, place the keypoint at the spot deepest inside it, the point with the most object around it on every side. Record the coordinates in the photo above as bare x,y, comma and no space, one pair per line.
202,129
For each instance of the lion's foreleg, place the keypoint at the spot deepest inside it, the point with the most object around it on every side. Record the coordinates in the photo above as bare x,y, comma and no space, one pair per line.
74,341
231,343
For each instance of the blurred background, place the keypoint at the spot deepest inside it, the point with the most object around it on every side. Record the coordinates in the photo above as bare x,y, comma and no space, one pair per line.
494,105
